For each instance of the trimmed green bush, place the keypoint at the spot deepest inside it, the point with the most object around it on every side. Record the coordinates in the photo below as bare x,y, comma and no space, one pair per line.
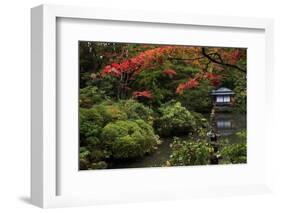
175,120
129,139
94,119
93,152
91,123
89,96
136,110
107,132
110,112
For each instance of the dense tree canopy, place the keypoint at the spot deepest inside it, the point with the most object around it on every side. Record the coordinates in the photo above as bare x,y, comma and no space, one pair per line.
134,68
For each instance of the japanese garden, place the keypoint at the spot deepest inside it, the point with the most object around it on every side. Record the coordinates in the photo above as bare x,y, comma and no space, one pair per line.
149,105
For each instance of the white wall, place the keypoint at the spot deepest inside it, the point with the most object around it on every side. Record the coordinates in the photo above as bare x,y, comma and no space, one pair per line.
15,98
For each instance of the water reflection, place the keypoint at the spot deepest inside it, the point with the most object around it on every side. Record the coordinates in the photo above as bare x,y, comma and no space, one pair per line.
224,124
229,123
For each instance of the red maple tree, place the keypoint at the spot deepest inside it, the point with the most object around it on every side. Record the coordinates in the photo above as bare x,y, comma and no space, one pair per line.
129,69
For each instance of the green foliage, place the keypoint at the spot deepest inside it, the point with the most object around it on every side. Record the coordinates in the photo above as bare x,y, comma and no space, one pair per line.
91,123
91,159
84,153
129,139
99,165
242,135
162,86
235,153
136,110
237,82
95,55
240,97
90,96
94,119
117,130
154,81
198,99
187,152
200,120
93,152
84,164
175,119
112,113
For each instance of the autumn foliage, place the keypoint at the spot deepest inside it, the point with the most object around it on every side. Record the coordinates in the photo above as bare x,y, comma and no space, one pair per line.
213,78
170,72
146,94
190,84
217,58
142,61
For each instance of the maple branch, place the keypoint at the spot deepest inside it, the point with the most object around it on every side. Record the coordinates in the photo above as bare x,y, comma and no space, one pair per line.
220,60
187,59
207,65
193,59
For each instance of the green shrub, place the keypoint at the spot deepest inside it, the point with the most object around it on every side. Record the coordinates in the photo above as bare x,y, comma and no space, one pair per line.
174,120
109,112
235,153
89,96
200,121
99,142
136,110
91,123
186,153
129,139
84,153
94,119
198,99
95,152
92,115
242,135
92,158
83,158
99,165
240,103
112,113
84,164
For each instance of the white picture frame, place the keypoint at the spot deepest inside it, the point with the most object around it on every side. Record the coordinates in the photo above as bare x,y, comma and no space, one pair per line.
44,151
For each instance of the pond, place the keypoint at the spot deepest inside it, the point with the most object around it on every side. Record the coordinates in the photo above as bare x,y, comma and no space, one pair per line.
156,159
227,124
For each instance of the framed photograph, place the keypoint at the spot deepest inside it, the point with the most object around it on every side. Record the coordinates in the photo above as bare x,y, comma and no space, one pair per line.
131,106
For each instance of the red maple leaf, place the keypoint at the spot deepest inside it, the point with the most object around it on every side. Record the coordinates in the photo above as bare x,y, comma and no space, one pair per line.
170,72
191,84
145,93
213,78
134,65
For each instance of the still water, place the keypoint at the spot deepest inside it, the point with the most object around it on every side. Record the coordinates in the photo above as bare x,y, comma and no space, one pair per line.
227,124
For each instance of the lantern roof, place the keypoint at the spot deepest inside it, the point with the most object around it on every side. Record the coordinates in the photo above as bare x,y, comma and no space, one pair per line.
222,91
